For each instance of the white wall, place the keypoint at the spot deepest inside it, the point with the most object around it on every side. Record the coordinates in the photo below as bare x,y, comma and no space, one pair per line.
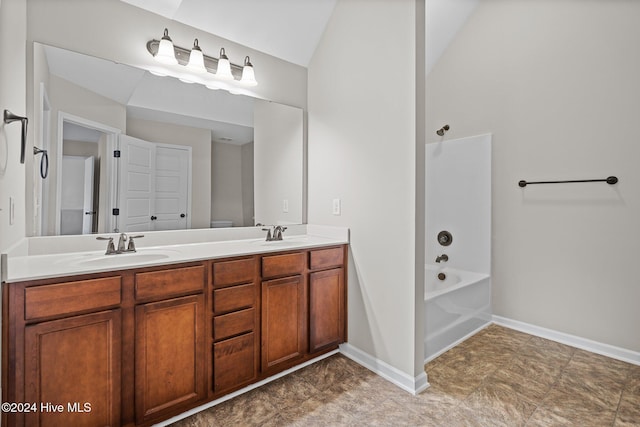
226,183
362,150
13,98
278,163
556,82
200,142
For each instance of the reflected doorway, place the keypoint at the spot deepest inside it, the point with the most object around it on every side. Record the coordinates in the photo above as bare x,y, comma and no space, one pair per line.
84,188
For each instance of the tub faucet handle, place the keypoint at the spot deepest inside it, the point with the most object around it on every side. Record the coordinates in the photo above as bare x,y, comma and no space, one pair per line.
442,258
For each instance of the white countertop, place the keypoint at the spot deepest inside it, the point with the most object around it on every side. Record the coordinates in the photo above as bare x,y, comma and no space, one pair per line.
32,267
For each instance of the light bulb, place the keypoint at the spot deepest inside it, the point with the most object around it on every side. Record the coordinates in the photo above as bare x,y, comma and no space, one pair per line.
224,67
196,59
248,76
166,54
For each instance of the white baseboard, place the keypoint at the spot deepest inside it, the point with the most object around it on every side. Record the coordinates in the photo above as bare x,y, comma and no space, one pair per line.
413,385
614,352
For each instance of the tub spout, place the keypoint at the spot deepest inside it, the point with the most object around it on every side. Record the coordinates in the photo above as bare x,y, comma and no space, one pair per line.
442,258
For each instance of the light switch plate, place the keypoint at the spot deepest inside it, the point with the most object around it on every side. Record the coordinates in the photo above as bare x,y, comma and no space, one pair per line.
285,206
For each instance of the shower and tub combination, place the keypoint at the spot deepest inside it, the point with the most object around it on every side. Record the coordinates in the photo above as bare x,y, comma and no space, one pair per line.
458,241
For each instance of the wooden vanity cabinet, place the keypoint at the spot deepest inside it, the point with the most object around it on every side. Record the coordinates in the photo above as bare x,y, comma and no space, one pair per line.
141,345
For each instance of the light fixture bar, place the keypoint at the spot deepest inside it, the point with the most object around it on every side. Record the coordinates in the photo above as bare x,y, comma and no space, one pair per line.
182,55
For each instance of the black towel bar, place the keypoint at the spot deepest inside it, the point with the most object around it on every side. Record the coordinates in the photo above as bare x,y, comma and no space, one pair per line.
609,180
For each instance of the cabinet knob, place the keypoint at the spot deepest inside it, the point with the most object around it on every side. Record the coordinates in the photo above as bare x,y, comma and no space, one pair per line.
182,215
153,217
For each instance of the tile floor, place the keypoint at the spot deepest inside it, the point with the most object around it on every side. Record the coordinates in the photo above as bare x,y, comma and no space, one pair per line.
499,377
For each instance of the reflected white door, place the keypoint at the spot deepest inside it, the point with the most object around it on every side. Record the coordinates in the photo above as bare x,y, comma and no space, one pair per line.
137,158
87,200
74,200
171,196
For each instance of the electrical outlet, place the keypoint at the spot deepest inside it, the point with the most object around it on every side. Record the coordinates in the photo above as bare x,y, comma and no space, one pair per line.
285,206
336,207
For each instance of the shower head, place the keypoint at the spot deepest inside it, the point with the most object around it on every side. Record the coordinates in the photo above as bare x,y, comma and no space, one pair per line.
442,130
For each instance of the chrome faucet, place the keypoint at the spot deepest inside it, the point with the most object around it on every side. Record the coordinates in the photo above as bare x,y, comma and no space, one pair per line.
111,249
277,233
442,258
121,241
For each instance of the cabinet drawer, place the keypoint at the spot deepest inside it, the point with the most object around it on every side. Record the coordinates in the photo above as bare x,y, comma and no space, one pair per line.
325,258
233,298
283,265
71,297
163,283
232,272
233,323
234,362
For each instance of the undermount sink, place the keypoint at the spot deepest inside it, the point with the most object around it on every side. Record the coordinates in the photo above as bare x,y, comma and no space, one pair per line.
93,260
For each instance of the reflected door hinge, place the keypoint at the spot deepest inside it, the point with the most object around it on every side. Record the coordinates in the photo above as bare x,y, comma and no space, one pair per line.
115,211
116,153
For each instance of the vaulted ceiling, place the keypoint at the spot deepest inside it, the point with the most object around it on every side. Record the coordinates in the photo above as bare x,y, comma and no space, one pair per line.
291,29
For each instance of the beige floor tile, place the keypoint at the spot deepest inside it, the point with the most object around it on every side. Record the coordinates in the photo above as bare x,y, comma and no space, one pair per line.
628,410
585,362
577,406
543,417
499,377
526,387
498,402
600,389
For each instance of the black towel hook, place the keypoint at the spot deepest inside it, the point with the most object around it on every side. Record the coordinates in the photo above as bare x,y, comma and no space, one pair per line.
44,161
9,117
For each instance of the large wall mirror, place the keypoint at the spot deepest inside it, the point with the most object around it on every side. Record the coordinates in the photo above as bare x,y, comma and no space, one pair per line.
132,151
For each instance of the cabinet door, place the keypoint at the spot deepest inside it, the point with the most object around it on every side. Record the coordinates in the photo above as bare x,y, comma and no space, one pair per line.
234,362
75,363
283,321
170,368
326,309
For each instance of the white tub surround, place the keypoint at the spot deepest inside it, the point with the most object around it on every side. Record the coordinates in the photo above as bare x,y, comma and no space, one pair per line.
58,256
458,268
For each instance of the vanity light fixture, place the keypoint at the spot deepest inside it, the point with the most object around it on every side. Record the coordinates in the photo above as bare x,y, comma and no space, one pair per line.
166,53
193,66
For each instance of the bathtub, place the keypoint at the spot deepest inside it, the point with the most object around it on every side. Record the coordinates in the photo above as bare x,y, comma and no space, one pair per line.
456,307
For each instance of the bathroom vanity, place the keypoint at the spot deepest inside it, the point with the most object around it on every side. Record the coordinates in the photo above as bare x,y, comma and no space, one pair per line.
138,344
